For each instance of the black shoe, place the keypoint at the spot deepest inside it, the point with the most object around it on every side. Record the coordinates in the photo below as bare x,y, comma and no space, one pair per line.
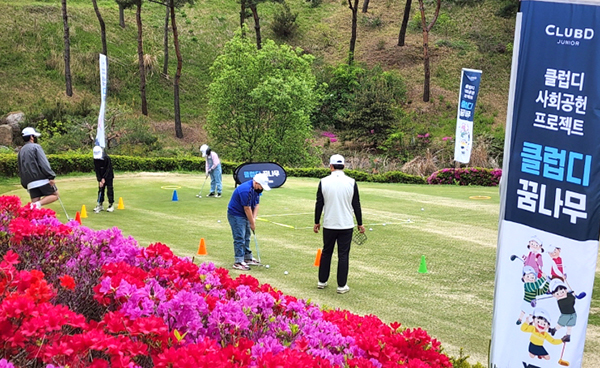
518,322
211,194
552,331
566,338
218,195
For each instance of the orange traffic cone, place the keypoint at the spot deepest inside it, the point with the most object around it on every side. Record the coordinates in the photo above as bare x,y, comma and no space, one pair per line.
83,212
202,248
318,258
78,217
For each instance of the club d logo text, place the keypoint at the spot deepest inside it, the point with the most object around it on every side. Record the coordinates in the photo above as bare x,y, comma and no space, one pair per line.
569,36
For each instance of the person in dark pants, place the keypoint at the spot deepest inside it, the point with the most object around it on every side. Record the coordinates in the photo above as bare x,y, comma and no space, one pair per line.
35,171
105,176
338,199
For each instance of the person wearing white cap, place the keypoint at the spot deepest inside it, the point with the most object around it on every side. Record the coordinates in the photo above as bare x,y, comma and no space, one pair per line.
35,171
213,168
241,214
104,175
337,200
532,287
538,327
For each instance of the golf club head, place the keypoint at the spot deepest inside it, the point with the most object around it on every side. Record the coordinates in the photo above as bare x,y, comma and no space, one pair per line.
533,303
513,257
581,295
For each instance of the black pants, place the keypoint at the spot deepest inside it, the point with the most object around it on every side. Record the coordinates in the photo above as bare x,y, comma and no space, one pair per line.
344,239
109,191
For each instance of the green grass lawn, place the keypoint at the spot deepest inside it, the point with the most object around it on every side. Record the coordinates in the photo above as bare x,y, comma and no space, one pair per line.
456,234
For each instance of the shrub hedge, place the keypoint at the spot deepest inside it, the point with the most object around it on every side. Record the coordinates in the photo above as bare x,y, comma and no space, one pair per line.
75,162
466,176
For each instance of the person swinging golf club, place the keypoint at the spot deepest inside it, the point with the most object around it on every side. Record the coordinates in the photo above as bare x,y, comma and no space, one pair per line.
213,169
35,171
337,199
241,214
105,176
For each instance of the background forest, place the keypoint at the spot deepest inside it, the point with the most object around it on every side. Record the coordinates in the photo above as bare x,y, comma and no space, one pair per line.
315,96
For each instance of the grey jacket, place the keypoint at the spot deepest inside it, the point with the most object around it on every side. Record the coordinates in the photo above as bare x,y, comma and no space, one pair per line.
33,164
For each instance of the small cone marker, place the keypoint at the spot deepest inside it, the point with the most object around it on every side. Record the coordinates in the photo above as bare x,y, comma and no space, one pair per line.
202,248
318,258
423,265
121,206
175,199
83,212
78,217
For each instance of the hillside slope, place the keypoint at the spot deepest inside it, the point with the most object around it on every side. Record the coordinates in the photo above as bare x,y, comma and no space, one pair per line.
32,66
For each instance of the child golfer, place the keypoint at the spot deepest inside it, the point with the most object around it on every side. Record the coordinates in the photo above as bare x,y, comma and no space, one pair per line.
538,327
105,176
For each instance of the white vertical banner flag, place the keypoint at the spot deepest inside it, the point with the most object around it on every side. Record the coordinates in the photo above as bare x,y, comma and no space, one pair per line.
469,88
550,191
100,137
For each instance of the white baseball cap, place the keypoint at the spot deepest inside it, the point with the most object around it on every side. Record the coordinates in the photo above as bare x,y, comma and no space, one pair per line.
538,312
556,283
203,149
336,160
97,152
30,131
263,180
528,269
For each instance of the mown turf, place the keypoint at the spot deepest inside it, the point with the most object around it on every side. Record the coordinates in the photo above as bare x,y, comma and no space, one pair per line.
456,234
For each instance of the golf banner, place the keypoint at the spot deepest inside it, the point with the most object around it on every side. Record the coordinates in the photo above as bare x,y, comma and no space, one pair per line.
276,173
469,88
100,137
550,190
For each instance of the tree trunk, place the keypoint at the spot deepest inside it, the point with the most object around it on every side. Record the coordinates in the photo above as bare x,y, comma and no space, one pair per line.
138,19
178,130
243,16
365,7
67,53
354,9
405,19
102,27
121,16
256,26
426,28
166,42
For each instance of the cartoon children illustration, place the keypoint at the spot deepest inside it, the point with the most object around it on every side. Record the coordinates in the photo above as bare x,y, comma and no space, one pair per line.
538,327
558,271
534,258
532,287
566,305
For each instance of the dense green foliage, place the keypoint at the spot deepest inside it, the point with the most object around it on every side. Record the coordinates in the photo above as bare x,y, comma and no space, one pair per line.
260,102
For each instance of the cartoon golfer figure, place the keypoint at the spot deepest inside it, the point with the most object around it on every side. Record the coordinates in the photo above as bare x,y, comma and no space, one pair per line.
558,270
538,327
566,305
534,258
532,287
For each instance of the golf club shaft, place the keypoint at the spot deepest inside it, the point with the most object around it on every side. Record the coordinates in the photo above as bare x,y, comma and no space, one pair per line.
202,188
63,207
256,245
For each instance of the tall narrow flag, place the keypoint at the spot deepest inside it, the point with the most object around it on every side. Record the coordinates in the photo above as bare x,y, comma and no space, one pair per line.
469,88
550,189
100,137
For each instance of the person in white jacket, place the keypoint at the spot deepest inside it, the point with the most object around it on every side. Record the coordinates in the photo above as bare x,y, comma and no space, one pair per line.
338,200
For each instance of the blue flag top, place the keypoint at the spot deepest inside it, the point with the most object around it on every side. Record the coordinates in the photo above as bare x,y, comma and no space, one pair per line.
555,151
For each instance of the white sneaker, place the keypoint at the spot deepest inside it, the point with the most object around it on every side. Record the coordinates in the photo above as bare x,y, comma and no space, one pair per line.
321,285
343,289
110,208
98,208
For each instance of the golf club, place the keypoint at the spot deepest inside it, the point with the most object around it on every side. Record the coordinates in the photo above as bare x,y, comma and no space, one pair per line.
98,201
63,207
256,245
514,256
534,301
199,195
561,361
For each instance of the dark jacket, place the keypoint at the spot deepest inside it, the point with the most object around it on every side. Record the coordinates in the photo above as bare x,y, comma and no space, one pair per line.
103,168
33,164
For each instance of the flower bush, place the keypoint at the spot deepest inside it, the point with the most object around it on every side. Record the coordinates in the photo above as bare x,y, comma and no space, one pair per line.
466,176
71,296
